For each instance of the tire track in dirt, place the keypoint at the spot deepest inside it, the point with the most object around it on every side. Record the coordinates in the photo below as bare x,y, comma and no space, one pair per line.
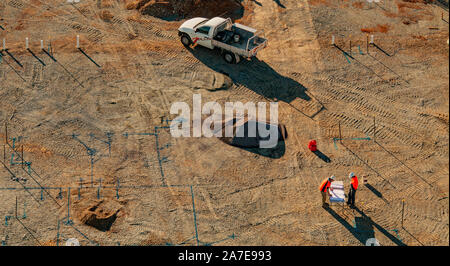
420,191
391,125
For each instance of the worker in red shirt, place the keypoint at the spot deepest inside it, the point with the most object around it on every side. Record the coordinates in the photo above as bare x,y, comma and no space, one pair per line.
353,188
325,189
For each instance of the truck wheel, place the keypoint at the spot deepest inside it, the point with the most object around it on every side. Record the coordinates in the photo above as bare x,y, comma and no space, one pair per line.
186,40
229,58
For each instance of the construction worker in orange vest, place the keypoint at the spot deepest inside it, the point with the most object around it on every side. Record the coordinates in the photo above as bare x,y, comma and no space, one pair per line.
353,188
325,189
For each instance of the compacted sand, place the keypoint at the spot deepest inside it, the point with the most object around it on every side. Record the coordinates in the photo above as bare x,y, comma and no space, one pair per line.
100,165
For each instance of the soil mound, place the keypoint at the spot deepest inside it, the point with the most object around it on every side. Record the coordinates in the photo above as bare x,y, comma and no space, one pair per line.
181,9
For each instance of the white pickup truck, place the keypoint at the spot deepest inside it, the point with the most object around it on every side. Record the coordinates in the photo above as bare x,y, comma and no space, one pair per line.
236,41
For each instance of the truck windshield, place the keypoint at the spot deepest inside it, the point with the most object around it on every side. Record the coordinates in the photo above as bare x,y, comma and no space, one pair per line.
203,29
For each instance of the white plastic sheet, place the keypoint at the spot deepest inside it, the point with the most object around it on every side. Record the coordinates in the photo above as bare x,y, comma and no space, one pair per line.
337,191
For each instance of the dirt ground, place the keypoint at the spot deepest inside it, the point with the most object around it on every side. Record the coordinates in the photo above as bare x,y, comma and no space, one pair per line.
99,163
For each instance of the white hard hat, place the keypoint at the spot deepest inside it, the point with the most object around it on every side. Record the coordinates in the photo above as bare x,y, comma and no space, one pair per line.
351,175
332,177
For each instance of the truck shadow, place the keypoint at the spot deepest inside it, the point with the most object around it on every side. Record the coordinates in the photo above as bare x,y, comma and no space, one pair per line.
259,77
254,74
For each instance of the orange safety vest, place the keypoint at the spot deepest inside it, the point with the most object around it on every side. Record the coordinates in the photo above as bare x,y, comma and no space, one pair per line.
325,184
354,182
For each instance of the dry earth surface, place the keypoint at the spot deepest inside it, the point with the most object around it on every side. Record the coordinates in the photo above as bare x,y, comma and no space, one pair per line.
99,163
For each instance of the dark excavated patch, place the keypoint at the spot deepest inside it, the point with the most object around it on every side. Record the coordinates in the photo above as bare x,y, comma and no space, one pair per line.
171,10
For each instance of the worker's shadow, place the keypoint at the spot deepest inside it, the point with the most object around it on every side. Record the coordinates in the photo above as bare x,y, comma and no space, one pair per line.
363,227
360,234
391,237
255,75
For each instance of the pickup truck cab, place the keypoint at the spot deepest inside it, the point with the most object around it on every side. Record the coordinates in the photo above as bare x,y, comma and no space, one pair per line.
236,41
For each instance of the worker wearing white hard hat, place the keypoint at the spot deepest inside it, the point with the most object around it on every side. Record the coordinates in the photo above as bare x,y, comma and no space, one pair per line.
353,188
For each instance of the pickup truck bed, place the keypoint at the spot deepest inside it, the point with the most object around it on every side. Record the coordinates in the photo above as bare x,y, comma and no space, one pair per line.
225,40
